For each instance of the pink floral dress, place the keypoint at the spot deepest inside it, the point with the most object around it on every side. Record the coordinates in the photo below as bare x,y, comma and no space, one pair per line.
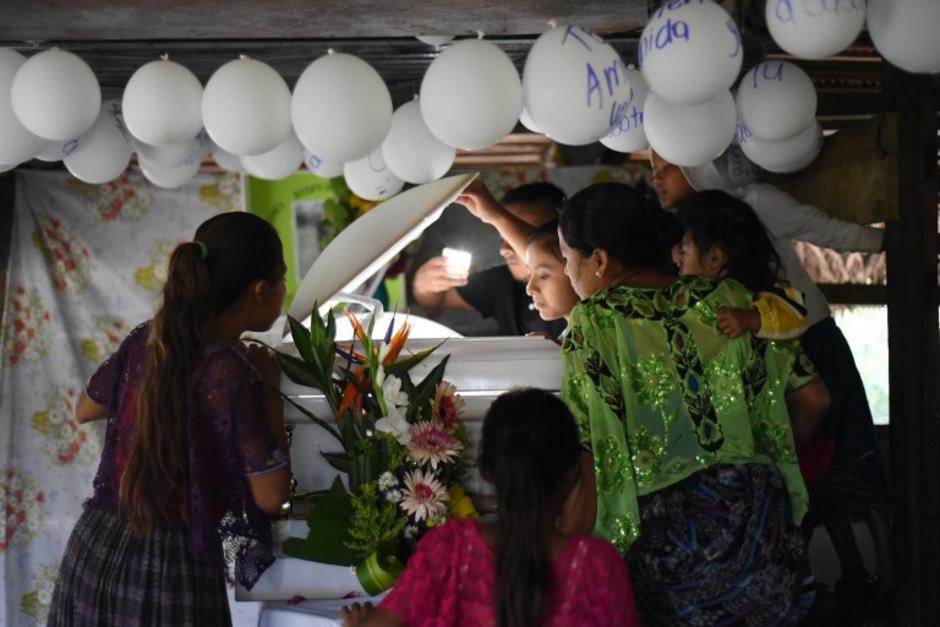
451,581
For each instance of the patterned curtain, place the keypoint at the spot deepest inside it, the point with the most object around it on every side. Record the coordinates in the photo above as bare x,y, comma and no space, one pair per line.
86,265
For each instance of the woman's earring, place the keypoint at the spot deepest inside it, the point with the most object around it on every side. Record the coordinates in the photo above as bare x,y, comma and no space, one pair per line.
598,274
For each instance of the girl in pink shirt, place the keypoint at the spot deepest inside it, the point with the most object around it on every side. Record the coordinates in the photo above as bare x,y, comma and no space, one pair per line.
519,571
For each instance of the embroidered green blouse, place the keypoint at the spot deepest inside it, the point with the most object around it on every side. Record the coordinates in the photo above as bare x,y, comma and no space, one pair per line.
660,393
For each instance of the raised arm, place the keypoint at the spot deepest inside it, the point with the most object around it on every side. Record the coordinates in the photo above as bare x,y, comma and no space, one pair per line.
786,218
480,202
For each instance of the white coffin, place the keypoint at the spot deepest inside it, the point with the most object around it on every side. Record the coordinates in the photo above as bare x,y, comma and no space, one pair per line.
480,368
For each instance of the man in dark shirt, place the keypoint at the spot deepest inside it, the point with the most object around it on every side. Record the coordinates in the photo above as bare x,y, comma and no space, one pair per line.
498,292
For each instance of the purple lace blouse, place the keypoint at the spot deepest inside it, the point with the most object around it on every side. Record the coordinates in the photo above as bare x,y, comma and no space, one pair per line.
229,440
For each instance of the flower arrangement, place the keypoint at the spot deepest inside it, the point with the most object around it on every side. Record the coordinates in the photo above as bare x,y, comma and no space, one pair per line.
404,448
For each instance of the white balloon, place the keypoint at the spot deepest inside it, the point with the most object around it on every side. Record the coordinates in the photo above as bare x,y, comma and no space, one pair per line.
323,169
435,40
246,107
104,152
905,33
163,103
689,135
17,144
341,107
371,179
629,135
471,95
57,151
574,85
224,159
690,51
815,29
55,95
6,167
195,149
526,120
781,156
411,152
276,164
172,177
776,100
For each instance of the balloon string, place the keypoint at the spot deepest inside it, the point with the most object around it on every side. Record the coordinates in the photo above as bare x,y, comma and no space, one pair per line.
330,51
480,34
553,23
164,57
243,56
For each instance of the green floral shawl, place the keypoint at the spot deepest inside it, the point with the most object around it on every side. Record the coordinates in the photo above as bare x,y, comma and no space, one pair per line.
660,393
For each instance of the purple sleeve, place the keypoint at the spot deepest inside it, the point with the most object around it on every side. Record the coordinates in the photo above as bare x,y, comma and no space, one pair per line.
104,384
234,401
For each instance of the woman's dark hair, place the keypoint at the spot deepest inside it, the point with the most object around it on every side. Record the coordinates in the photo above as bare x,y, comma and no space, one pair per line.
529,443
716,219
205,277
541,192
617,218
548,235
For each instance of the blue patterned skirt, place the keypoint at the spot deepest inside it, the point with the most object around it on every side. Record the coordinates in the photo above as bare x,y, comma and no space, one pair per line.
110,576
720,548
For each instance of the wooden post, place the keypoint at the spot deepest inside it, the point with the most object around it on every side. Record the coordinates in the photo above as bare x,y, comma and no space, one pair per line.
914,351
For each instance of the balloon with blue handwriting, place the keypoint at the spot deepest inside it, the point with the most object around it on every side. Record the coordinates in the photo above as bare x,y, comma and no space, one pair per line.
224,159
55,95
173,154
814,29
784,156
776,100
56,151
410,150
171,177
104,152
320,167
689,135
471,95
574,85
341,107
284,160
162,103
629,134
17,143
905,33
246,107
690,51
370,178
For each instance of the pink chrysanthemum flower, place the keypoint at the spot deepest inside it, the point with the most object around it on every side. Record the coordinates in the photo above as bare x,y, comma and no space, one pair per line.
431,444
447,405
423,497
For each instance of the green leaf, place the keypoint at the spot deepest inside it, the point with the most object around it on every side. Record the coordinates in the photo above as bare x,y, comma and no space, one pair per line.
301,336
309,414
339,461
296,370
329,530
402,366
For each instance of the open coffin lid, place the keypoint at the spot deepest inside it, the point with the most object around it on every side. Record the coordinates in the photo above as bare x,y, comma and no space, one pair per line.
480,368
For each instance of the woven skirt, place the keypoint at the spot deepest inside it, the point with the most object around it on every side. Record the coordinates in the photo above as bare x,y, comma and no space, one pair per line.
720,548
111,576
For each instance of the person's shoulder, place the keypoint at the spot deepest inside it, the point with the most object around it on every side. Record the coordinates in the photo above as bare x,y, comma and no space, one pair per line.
494,275
598,549
226,361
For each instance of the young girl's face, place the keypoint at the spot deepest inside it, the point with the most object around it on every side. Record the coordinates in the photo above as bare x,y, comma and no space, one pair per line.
690,259
548,285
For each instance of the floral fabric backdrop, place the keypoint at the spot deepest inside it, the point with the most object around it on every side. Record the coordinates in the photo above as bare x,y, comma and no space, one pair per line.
87,263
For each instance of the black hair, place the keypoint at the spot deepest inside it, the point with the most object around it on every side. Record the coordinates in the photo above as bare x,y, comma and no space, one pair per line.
205,277
615,217
529,443
548,232
541,192
716,219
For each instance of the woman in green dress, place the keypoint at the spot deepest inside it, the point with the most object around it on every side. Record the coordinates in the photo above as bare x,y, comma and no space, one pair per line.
692,433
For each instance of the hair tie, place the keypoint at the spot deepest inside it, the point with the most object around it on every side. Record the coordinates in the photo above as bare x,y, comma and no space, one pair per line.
203,249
